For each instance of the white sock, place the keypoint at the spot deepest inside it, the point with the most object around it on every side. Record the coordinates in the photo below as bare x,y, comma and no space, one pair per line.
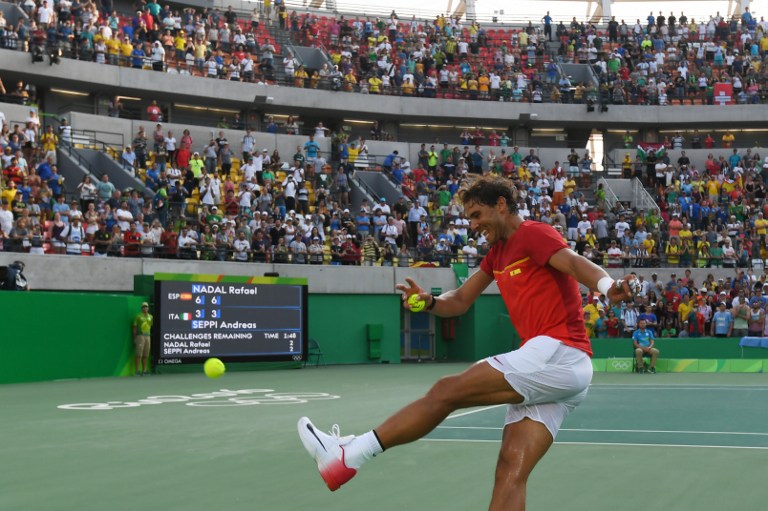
361,449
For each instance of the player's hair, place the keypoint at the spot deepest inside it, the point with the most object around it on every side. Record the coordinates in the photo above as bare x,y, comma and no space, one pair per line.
487,190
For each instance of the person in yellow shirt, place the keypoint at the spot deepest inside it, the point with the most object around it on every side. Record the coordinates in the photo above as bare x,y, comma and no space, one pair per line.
697,185
685,308
374,85
728,186
464,84
300,77
349,81
126,49
685,234
483,84
142,331
179,45
713,190
590,238
728,139
570,185
626,166
48,142
522,39
761,225
472,85
408,87
592,309
354,152
673,251
113,50
647,248
702,253
524,173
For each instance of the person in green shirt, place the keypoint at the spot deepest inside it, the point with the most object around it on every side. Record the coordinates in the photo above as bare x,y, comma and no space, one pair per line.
214,217
716,255
629,140
142,330
196,164
445,154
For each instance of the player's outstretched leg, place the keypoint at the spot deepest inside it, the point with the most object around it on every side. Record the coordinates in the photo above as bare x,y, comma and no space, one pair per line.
338,458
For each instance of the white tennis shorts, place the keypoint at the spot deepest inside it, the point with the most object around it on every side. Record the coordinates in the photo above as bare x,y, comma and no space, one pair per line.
552,378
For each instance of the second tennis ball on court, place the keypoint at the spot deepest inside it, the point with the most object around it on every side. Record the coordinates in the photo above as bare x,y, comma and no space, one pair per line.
214,368
416,303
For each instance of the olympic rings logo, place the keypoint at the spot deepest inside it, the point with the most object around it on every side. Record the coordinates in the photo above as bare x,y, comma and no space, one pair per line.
223,397
621,365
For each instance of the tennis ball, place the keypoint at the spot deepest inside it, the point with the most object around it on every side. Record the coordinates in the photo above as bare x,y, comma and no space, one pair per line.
416,303
214,368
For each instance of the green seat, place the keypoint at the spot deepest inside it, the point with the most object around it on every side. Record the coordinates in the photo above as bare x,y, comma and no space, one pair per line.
313,350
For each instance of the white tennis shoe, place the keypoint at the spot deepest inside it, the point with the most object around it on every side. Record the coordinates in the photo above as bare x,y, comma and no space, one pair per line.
328,452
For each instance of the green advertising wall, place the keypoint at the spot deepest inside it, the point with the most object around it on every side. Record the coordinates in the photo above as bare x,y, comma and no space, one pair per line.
684,347
483,331
49,336
339,323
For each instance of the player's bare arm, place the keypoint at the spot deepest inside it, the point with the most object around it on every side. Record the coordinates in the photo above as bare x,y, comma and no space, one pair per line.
588,273
451,303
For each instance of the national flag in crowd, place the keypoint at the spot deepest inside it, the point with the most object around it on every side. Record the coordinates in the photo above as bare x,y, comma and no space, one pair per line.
644,149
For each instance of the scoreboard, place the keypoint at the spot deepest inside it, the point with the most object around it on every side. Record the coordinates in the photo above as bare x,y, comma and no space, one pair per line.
232,318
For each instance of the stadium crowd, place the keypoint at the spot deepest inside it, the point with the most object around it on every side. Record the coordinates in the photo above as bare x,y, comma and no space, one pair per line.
222,200
680,307
655,61
208,205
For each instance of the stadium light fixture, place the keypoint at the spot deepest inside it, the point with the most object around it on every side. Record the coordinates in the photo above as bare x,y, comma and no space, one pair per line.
69,92
206,109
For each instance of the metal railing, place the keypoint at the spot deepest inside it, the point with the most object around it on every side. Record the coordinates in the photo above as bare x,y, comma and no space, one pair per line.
641,199
610,197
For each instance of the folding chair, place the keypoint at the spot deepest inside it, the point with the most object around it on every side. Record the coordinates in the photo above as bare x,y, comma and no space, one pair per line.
645,364
313,350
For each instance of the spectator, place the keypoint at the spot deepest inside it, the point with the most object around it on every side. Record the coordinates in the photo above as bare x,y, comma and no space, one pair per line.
722,322
643,340
142,331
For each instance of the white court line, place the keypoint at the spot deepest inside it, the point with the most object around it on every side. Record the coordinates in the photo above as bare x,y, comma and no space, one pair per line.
620,444
655,431
478,410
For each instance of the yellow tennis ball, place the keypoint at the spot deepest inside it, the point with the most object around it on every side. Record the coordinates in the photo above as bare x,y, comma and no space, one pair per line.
416,303
214,368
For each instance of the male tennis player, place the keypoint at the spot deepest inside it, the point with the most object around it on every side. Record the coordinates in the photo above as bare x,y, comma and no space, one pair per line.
544,380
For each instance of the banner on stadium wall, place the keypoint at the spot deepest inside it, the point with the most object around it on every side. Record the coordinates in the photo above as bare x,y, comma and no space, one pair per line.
462,272
724,94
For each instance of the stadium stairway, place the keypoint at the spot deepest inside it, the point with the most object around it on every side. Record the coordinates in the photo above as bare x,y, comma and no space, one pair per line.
359,191
579,73
378,185
75,163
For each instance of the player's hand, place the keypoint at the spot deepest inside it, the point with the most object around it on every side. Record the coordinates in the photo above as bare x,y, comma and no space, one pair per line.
623,290
411,289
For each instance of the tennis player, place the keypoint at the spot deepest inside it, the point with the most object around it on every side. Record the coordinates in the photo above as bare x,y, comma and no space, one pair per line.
541,382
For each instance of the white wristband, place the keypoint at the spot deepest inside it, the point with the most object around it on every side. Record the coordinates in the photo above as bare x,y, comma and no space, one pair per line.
604,285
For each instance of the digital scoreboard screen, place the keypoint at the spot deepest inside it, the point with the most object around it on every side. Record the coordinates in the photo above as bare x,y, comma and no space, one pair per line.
232,318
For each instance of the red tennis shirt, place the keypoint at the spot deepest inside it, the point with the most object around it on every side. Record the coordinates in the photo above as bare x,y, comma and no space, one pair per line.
540,299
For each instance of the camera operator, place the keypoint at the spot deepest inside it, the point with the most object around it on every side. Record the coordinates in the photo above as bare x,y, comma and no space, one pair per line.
15,280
